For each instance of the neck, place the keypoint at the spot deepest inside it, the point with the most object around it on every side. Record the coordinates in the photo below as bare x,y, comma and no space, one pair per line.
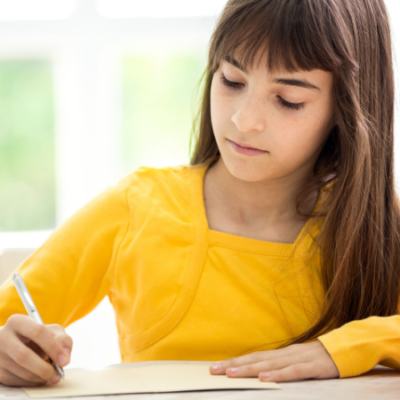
257,204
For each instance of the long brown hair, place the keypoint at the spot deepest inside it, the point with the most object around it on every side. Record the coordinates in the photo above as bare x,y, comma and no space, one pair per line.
360,236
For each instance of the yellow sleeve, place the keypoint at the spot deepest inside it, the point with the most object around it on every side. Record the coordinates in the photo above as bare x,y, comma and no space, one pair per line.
359,346
73,270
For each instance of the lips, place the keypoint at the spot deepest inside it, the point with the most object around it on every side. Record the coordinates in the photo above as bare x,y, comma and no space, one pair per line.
246,151
246,146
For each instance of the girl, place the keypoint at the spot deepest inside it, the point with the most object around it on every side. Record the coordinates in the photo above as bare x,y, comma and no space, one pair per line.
276,251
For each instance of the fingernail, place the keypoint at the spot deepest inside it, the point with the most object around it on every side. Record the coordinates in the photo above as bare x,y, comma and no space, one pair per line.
265,375
217,366
234,370
62,360
55,378
67,350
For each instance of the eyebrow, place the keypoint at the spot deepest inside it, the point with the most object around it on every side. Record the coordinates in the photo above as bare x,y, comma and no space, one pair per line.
290,82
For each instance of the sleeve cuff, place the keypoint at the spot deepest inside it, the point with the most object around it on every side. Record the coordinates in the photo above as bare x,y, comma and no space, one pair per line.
340,354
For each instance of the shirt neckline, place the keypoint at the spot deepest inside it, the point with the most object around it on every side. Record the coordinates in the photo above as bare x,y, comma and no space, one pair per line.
242,243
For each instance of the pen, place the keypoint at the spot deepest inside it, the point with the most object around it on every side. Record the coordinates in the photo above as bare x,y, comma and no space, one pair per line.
32,310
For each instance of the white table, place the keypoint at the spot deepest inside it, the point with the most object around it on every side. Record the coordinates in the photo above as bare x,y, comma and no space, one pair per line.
380,383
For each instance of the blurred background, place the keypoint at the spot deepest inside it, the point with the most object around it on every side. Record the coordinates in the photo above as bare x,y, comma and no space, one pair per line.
89,91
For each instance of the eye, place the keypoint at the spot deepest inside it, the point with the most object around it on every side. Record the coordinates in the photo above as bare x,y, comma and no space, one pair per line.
286,104
231,84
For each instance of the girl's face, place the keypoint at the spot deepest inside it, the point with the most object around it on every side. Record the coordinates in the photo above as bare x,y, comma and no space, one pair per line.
287,117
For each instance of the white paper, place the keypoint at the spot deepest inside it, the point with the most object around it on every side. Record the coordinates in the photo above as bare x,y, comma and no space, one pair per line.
144,379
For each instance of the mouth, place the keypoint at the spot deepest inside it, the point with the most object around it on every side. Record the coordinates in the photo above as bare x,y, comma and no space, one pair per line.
245,149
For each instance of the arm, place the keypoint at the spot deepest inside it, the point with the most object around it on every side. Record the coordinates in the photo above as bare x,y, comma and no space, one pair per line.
67,277
359,346
350,350
73,270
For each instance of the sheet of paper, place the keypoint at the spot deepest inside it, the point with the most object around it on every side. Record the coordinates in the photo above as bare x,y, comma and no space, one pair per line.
144,379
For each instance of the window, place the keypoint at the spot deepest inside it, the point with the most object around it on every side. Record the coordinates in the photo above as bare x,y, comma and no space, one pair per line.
27,151
158,103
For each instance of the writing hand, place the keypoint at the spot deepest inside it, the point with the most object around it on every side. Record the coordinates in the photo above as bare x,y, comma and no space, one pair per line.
24,347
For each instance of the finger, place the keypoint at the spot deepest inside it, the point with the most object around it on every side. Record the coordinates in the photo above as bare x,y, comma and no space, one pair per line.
61,336
10,365
252,370
294,372
220,367
27,327
29,360
7,378
37,350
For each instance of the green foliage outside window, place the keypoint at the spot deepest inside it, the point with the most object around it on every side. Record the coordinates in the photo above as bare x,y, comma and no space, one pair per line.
27,165
158,105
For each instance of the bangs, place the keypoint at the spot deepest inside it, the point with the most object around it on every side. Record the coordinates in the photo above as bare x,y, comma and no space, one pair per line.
286,32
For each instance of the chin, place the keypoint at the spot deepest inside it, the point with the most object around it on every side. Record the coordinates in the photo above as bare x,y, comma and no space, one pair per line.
246,172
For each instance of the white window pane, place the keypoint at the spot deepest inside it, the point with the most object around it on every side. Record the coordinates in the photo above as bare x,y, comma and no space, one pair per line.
36,9
159,8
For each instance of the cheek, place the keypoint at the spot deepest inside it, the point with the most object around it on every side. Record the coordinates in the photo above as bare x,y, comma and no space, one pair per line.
221,113
296,140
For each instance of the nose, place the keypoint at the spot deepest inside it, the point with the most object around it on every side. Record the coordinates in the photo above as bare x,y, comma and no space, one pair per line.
250,116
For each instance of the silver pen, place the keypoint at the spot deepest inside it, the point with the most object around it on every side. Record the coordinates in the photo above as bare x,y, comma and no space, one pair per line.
32,310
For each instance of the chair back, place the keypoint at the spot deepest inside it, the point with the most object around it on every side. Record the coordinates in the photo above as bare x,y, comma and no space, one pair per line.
10,259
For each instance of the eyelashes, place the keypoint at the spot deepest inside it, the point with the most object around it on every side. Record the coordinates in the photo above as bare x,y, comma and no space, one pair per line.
290,105
229,83
283,102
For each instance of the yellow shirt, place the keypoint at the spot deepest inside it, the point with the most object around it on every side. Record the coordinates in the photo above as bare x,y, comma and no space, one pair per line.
181,291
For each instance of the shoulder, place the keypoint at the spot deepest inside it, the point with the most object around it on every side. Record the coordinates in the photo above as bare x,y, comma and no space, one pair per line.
170,185
172,177
147,174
